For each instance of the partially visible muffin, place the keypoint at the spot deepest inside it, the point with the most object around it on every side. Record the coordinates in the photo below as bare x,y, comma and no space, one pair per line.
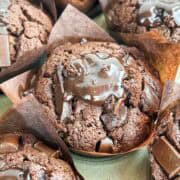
138,16
28,26
99,92
164,151
24,157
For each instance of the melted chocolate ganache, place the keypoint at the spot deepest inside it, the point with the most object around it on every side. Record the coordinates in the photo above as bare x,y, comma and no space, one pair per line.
93,78
153,12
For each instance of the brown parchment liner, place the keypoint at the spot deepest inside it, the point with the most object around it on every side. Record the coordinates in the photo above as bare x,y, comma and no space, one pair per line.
24,117
72,26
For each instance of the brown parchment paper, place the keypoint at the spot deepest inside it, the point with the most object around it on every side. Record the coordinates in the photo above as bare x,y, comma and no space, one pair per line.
159,52
28,116
71,26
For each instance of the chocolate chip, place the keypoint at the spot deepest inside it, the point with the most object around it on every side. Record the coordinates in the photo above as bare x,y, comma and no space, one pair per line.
58,90
112,121
105,145
153,13
167,156
149,99
9,143
13,174
43,148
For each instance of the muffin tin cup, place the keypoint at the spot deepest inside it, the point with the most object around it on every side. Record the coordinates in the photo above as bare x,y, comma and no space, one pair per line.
72,26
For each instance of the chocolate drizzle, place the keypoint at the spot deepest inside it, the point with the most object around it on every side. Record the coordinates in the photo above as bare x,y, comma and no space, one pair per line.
94,78
4,42
153,13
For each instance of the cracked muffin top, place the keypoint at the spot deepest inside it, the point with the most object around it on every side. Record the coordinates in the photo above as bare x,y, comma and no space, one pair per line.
26,24
101,96
138,16
24,157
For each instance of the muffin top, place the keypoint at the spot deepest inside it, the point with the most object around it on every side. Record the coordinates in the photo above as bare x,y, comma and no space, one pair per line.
26,24
22,156
138,16
99,92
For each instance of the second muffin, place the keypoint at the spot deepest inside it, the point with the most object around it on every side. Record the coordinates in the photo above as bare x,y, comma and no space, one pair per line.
26,25
138,16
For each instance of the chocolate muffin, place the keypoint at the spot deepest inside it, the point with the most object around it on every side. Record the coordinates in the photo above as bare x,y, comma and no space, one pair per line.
164,151
99,93
24,157
26,24
138,16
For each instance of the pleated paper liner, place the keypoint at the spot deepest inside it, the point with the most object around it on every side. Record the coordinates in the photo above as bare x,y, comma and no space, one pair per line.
28,116
72,26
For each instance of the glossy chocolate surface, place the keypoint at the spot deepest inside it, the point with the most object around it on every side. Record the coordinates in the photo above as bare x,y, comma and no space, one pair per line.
152,13
94,78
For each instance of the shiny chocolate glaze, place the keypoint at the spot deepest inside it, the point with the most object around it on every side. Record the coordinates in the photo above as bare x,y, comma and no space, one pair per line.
152,13
94,78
